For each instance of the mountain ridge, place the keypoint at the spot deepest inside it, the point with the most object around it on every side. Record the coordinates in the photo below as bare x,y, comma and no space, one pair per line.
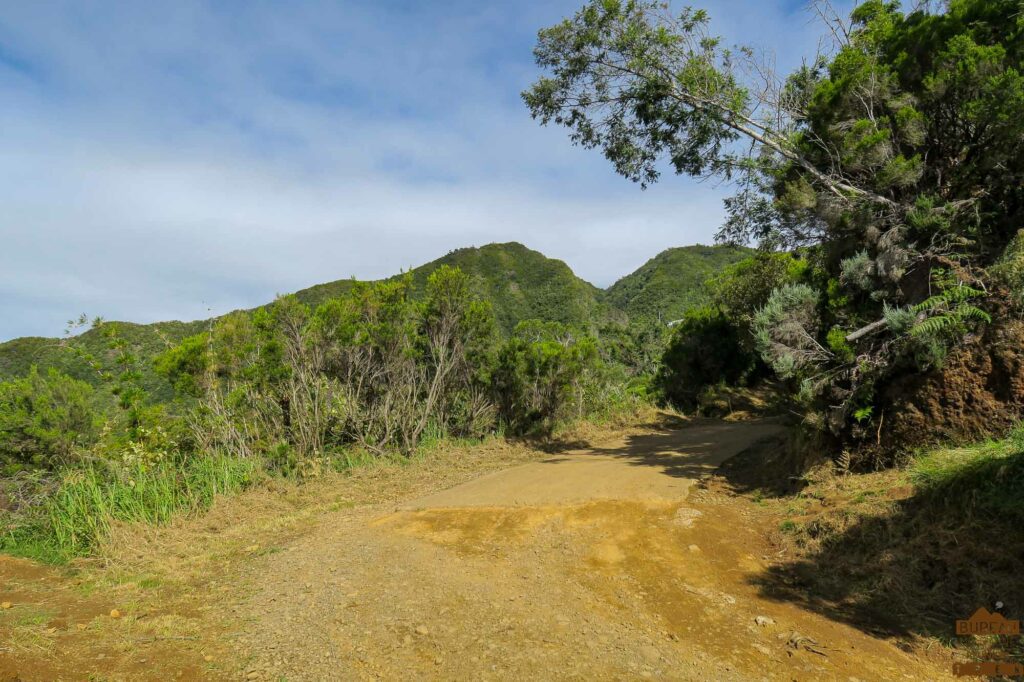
520,283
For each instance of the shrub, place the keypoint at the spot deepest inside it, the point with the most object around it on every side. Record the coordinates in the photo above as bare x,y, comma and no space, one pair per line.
786,330
705,349
541,375
743,289
374,367
44,420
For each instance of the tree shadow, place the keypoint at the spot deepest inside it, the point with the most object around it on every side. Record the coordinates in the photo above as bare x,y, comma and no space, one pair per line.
770,467
911,568
683,448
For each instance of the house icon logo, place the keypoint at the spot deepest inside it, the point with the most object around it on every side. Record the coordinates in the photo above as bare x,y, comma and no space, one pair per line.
982,622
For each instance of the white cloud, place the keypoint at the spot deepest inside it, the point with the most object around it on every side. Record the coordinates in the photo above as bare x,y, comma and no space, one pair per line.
162,160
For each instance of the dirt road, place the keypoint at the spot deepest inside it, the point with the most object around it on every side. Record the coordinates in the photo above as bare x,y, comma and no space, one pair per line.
602,563
605,560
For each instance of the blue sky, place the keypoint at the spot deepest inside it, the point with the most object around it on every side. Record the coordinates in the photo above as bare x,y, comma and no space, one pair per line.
173,160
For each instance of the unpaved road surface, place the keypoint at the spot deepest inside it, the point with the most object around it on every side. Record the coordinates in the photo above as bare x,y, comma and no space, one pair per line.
603,563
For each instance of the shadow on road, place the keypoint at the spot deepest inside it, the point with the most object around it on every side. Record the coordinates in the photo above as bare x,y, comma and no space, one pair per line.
692,452
912,569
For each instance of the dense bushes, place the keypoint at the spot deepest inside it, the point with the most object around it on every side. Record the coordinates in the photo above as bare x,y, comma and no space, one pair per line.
285,389
705,350
377,369
544,373
718,343
44,420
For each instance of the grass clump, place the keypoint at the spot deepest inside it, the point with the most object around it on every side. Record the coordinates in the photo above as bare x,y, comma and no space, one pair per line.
986,478
84,502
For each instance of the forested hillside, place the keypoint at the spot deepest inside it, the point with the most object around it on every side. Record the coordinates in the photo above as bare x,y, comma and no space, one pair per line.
147,340
672,282
519,283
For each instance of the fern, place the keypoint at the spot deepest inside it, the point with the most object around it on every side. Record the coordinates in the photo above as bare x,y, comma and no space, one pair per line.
967,311
956,310
864,413
957,294
933,325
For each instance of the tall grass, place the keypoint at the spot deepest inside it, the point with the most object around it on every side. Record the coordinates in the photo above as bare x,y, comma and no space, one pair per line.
73,520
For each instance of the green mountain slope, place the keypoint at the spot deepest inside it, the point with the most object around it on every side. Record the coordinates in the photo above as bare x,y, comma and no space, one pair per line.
664,287
520,283
146,340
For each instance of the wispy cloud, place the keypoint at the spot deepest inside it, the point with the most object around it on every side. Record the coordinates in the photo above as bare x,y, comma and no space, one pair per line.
159,160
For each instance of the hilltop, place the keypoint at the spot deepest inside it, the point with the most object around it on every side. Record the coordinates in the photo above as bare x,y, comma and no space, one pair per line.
519,282
667,285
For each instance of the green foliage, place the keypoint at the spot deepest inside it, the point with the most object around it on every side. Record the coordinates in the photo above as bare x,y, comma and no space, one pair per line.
863,414
290,389
541,375
45,420
948,312
744,287
185,363
624,77
179,359
900,152
836,340
518,283
858,271
636,347
672,282
714,344
76,515
88,356
1009,269
706,349
786,330
380,367
898,320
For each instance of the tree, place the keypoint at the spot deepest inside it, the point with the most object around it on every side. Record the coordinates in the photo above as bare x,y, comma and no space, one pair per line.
898,160
459,332
44,420
742,289
706,349
541,375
